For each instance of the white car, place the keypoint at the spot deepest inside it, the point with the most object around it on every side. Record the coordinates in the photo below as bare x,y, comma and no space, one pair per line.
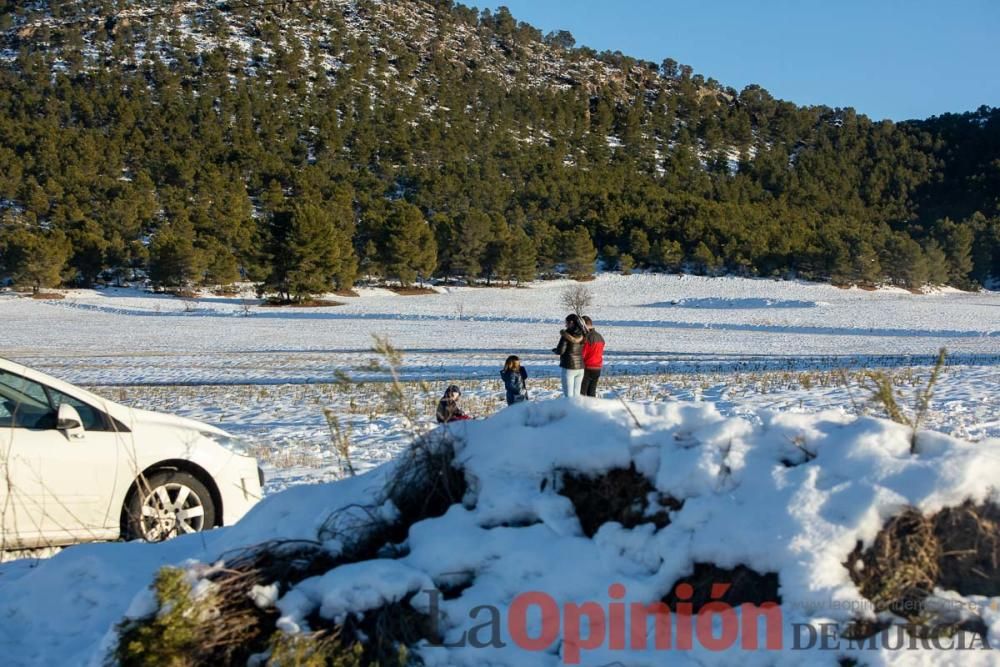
76,467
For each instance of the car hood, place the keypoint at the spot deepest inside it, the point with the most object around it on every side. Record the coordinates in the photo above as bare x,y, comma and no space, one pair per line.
150,418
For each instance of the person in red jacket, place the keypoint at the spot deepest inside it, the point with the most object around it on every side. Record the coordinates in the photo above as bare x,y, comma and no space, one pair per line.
593,358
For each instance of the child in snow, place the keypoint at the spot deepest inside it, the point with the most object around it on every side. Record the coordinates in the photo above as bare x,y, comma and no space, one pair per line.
448,410
515,377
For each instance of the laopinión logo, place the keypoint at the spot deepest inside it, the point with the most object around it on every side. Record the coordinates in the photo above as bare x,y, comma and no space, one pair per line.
906,637
588,626
716,626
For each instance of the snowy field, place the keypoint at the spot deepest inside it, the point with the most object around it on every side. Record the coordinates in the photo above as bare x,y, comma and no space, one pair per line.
754,361
267,373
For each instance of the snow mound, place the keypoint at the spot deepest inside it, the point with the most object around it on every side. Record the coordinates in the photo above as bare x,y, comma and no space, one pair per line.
767,503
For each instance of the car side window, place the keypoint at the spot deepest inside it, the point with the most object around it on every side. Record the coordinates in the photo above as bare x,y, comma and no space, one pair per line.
26,402
6,412
93,419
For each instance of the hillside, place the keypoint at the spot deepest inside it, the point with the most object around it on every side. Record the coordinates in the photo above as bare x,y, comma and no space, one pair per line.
305,144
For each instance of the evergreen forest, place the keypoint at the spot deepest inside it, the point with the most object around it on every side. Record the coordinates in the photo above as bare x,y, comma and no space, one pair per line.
306,146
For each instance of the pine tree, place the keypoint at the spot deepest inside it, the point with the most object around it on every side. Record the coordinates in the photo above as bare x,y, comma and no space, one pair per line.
937,263
545,240
409,249
704,259
638,245
497,253
523,265
958,244
221,267
666,254
626,264
33,258
866,268
317,251
174,261
904,261
445,234
89,247
470,243
579,253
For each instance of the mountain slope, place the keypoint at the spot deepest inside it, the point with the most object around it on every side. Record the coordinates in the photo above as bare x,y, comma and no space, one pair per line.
202,126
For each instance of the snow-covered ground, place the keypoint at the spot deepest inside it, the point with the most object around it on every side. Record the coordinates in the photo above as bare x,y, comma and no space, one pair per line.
739,351
266,373
651,322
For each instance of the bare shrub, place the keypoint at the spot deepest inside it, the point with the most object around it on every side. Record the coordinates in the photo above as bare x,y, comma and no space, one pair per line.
427,481
222,624
956,549
577,299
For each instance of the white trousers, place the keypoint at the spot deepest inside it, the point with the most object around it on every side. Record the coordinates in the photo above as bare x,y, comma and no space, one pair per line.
571,381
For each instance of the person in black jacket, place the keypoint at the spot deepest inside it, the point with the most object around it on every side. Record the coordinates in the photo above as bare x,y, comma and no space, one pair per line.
448,410
570,351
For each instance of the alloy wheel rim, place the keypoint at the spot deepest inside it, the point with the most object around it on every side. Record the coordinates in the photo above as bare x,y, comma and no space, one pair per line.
170,510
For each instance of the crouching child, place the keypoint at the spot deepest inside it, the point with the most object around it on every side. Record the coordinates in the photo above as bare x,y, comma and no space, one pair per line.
448,410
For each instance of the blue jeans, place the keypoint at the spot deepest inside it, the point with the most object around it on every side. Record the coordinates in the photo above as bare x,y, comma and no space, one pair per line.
513,398
571,381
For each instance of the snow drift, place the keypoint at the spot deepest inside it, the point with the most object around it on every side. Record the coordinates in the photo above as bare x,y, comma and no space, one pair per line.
763,508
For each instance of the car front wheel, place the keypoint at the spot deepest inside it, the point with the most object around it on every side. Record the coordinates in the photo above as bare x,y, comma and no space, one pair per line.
167,504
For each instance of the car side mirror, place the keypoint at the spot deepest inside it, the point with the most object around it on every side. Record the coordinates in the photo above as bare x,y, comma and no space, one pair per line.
68,421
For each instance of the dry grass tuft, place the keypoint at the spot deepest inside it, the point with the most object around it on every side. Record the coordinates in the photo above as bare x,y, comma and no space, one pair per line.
901,566
969,560
956,549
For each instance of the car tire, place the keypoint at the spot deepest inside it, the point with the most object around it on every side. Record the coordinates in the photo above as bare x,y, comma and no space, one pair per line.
166,504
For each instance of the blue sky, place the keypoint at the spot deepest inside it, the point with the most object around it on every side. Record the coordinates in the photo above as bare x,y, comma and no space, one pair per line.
896,59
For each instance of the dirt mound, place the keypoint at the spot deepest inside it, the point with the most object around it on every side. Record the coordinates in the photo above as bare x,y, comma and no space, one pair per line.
621,494
743,586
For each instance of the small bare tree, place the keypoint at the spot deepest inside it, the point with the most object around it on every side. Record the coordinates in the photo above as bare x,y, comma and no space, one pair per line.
577,299
884,393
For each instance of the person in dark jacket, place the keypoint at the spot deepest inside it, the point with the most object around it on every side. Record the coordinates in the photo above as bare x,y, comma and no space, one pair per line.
593,358
570,351
448,410
515,379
